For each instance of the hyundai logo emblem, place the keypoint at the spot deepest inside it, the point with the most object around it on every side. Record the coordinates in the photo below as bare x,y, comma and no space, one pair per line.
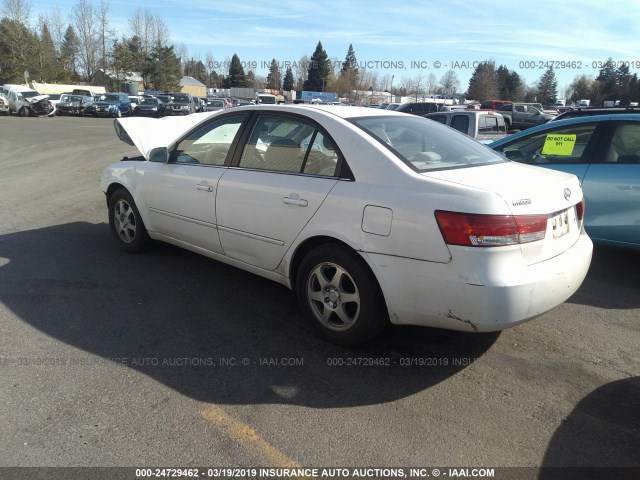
567,194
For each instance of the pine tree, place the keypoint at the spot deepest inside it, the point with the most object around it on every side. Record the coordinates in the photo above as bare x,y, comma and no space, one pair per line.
350,63
164,69
510,85
548,88
483,84
47,58
196,69
69,50
274,78
236,76
288,82
123,62
319,69
17,48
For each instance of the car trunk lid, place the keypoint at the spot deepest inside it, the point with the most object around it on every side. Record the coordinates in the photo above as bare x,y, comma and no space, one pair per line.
530,191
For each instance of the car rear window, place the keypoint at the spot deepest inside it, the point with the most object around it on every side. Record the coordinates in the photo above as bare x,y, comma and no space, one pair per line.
425,145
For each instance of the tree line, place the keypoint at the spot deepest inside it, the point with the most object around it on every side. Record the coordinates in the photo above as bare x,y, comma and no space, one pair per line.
612,84
75,50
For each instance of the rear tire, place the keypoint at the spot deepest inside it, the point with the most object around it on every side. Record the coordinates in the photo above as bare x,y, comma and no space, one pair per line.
126,224
340,296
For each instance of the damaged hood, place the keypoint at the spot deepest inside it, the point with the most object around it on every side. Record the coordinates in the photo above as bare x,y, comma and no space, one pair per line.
37,98
149,133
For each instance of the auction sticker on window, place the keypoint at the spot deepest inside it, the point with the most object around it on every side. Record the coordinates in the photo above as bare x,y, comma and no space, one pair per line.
559,145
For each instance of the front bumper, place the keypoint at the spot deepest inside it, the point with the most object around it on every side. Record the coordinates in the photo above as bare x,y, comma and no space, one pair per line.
502,293
178,111
105,112
70,111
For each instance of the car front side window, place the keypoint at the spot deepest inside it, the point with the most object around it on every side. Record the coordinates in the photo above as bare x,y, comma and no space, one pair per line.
565,145
210,144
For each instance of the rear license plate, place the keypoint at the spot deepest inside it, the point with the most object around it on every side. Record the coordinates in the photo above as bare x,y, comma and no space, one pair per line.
560,224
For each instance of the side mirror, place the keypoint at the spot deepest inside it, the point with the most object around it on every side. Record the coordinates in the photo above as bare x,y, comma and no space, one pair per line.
159,155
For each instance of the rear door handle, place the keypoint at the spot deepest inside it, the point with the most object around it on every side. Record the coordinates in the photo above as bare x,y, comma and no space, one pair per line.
206,188
300,202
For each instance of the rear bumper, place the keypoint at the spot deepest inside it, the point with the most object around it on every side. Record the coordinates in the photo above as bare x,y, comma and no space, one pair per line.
491,295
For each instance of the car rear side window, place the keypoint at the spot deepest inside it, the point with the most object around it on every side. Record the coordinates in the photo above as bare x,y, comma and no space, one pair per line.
460,123
287,144
565,145
625,145
490,124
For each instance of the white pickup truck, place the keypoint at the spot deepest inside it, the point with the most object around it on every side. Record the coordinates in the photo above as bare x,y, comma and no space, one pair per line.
26,102
483,125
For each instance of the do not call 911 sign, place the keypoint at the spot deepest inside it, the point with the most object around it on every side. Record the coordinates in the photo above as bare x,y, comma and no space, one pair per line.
561,145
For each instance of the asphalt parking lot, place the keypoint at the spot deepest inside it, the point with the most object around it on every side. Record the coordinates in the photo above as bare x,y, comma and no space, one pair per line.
168,358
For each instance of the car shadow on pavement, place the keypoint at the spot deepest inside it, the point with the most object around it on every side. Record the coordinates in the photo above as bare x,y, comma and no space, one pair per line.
612,281
210,331
603,431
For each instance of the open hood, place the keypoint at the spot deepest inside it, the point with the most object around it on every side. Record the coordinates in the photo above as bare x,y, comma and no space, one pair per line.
149,133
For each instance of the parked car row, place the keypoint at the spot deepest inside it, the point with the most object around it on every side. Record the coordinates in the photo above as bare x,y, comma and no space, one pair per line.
24,101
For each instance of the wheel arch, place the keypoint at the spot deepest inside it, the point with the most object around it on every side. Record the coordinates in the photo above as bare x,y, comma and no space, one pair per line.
112,188
313,242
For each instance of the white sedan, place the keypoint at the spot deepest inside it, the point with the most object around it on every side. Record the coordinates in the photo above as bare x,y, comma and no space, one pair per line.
370,215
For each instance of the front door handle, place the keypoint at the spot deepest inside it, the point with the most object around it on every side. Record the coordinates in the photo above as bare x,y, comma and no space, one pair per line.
300,202
206,188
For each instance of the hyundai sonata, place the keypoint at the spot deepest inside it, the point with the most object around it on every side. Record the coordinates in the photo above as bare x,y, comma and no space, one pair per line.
371,216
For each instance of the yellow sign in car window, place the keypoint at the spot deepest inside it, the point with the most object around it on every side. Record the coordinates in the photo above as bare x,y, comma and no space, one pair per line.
559,145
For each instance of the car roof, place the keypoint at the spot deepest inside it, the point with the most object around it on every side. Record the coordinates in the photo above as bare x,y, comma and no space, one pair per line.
635,117
590,111
470,111
334,110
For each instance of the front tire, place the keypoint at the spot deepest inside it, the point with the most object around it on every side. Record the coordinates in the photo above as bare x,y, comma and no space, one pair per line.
340,296
23,112
126,224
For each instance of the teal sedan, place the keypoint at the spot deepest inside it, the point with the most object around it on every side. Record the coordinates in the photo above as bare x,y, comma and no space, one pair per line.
603,151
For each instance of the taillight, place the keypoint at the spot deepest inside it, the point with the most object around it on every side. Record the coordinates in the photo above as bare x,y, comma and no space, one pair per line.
475,230
580,209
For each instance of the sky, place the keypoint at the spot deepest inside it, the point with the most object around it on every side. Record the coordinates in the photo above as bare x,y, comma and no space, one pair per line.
401,39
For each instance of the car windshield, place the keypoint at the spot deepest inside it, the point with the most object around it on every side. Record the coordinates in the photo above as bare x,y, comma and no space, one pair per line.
425,145
164,98
29,94
149,101
215,103
393,106
181,98
108,98
71,98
